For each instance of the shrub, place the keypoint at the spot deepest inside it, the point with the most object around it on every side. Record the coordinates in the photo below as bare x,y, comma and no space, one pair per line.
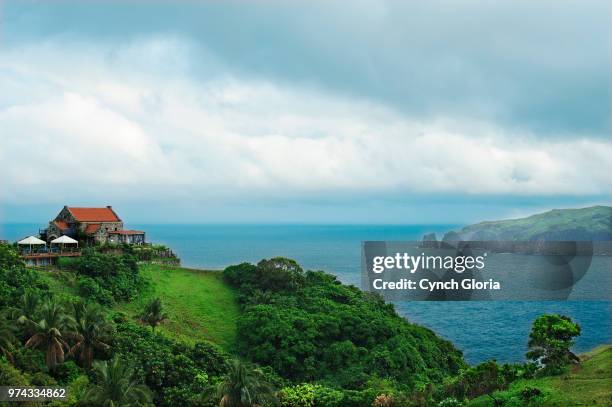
478,380
42,379
301,395
10,376
529,393
29,360
450,402
328,397
90,289
116,277
68,371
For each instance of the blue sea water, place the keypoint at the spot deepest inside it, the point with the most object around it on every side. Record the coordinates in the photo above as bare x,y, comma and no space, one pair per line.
482,329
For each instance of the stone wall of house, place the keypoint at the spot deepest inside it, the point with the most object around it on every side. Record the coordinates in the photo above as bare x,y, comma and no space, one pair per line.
65,215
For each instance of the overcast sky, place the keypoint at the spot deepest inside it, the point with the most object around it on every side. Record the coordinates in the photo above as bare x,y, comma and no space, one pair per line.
361,111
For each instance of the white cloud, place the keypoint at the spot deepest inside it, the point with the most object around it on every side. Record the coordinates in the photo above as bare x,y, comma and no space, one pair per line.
76,120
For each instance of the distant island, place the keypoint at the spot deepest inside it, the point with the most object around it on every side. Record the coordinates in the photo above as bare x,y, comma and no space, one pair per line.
592,224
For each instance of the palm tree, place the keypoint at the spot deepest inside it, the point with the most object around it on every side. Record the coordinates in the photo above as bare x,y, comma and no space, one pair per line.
48,333
244,387
91,329
153,314
28,308
7,336
115,386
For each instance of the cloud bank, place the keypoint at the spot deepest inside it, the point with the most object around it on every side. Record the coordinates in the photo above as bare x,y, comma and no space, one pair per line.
96,122
166,115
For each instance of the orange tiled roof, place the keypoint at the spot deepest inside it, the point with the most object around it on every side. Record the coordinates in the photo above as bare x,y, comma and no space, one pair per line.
94,214
92,228
61,224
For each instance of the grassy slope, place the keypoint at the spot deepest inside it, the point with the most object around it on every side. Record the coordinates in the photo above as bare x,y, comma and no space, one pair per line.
587,385
199,305
595,221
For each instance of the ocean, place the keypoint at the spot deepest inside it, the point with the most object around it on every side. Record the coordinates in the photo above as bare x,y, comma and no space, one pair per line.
483,330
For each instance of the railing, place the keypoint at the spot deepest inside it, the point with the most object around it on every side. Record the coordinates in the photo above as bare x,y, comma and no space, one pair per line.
53,252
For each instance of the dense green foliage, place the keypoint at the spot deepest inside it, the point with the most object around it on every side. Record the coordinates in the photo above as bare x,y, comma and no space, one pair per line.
307,341
309,326
47,332
15,279
178,374
485,378
105,278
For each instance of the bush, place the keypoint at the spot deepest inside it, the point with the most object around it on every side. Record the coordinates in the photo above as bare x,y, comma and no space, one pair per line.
106,277
480,379
29,360
68,371
301,395
327,396
42,379
450,402
90,289
530,393
10,376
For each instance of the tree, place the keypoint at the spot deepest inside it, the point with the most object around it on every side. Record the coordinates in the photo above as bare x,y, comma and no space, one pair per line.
278,274
6,336
153,314
28,309
115,386
92,329
550,341
48,333
244,387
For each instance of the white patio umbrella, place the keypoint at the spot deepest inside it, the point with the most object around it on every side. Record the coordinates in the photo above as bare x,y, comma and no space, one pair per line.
63,240
31,241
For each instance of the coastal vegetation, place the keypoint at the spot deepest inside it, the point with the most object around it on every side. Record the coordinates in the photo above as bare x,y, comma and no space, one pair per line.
584,384
308,326
266,334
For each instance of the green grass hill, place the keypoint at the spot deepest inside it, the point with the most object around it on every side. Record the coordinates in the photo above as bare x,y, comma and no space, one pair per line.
198,303
200,306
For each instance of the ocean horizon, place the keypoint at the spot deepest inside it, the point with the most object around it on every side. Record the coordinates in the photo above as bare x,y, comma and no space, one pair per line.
483,330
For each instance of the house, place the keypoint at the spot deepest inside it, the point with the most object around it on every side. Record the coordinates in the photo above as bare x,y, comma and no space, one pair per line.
93,225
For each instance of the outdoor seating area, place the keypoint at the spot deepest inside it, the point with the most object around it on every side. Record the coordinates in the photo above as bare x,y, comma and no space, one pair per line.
36,252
